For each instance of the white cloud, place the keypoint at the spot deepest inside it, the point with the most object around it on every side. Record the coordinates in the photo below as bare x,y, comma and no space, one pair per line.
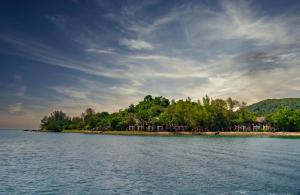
43,53
189,50
89,93
146,30
239,21
71,92
101,51
136,44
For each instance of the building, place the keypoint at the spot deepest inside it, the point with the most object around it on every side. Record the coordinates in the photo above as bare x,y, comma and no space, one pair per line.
261,124
180,128
151,128
140,128
131,127
160,128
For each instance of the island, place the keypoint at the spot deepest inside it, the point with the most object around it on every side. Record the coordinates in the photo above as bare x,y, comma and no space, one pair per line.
160,116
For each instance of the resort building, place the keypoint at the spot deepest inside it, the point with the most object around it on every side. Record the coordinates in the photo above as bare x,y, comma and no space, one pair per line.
140,128
180,128
260,124
160,128
131,127
151,128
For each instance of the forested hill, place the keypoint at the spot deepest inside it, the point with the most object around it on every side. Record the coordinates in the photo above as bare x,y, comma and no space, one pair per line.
272,105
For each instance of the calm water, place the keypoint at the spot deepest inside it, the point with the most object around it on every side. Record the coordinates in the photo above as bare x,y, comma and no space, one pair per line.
53,163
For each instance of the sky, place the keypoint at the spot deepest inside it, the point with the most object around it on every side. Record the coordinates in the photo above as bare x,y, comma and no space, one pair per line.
73,54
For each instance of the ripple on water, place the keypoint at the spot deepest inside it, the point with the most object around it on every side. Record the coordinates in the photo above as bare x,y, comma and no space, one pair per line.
52,163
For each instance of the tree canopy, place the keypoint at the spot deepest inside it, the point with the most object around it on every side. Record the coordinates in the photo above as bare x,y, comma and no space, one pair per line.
208,114
270,106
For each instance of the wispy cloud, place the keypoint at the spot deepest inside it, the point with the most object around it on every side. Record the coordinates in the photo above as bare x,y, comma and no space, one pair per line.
100,51
178,49
136,44
43,53
238,21
16,108
71,92
88,93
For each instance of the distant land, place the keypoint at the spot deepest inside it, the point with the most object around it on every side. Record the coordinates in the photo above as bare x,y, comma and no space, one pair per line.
159,114
270,106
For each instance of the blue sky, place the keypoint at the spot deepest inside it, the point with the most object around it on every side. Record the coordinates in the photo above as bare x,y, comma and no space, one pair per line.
70,55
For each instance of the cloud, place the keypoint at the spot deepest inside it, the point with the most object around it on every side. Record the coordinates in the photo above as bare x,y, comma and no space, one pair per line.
235,41
240,21
136,44
100,51
124,52
88,93
16,108
71,92
46,54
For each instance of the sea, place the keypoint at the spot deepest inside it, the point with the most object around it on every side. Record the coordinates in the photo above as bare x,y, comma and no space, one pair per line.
70,163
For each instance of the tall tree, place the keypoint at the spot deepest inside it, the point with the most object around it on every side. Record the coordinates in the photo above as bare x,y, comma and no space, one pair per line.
57,121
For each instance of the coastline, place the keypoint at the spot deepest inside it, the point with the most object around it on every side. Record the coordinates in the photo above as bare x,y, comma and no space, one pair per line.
147,133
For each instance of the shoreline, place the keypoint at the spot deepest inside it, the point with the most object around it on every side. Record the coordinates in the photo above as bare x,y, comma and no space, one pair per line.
187,133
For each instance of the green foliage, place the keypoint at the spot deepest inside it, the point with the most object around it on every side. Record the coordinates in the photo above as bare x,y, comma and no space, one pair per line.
270,106
117,122
76,123
244,116
210,114
57,121
286,119
177,114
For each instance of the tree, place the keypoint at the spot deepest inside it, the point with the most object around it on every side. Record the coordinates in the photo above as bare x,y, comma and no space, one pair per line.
244,117
57,121
287,119
148,98
231,106
218,114
90,119
117,121
210,114
76,123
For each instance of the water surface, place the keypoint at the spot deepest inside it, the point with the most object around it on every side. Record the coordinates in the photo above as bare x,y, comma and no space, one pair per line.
57,163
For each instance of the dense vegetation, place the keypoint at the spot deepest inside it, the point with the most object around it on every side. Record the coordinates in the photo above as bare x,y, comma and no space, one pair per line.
270,106
286,119
208,114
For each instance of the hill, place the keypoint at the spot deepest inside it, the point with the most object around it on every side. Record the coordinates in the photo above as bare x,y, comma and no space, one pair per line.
272,105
